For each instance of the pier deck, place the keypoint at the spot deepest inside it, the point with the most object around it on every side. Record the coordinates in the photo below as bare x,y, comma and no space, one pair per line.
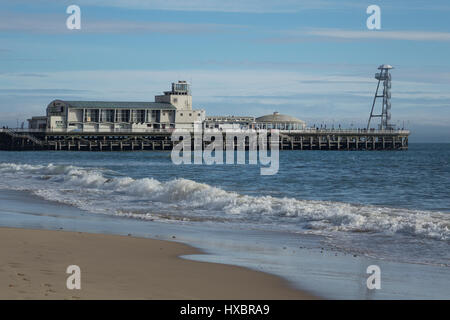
308,139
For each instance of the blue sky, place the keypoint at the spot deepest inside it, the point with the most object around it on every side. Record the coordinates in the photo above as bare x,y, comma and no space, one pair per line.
311,59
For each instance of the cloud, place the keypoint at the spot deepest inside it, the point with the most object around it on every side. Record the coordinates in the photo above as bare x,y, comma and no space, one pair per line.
383,35
158,27
243,6
56,24
26,91
211,84
348,35
256,6
33,75
233,86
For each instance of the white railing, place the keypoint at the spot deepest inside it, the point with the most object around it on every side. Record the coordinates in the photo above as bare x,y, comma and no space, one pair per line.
15,134
19,130
313,131
337,131
170,130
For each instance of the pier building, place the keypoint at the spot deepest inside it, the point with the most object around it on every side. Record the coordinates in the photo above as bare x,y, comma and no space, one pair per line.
228,122
171,110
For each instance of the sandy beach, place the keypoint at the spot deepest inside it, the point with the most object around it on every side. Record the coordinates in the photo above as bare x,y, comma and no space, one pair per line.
34,262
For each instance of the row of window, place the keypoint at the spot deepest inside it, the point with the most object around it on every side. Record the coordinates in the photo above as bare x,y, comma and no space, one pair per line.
59,124
110,115
190,114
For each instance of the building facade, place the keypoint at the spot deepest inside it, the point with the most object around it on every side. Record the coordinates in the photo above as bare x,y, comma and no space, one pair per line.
271,121
228,122
171,110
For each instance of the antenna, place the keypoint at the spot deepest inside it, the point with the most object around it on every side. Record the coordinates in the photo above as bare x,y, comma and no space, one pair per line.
385,115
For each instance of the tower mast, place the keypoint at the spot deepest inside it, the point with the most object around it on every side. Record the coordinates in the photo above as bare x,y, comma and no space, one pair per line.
385,76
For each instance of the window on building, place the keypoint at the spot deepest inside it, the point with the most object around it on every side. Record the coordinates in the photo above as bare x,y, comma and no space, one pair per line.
55,111
91,115
123,116
138,116
107,115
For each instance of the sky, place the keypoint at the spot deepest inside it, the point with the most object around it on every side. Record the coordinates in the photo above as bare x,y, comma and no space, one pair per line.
312,59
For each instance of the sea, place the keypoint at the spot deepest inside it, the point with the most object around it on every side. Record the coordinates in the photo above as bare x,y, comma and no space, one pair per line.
319,223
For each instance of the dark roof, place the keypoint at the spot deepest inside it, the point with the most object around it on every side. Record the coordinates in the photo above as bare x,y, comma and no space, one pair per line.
119,104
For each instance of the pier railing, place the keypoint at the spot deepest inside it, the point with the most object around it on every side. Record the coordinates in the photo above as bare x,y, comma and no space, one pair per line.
160,139
170,130
25,135
19,130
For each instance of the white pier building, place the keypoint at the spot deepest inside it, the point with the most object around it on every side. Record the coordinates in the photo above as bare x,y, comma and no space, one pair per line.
171,110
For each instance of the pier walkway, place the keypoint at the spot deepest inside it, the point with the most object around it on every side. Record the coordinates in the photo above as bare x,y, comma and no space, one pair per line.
160,139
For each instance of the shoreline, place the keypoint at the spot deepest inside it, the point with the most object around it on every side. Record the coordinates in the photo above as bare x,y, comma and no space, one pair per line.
34,264
300,262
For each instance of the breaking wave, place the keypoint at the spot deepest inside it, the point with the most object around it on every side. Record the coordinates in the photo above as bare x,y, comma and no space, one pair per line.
104,191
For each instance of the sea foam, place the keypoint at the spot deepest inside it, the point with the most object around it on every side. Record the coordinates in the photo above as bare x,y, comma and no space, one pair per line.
100,190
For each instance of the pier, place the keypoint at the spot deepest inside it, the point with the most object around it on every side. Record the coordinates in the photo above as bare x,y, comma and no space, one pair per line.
139,126
160,139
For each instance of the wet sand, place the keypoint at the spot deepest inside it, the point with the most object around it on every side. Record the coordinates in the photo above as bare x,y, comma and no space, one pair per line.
33,265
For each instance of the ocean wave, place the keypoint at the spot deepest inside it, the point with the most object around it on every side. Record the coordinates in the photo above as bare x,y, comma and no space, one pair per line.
99,189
